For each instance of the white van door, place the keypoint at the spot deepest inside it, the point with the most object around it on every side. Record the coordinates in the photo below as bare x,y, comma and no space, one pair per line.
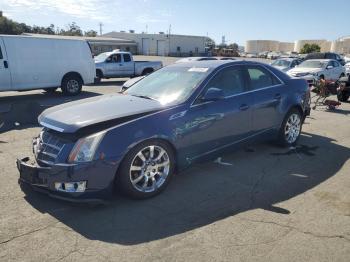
5,75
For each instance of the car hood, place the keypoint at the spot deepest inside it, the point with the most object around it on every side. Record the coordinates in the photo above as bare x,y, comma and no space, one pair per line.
73,116
299,70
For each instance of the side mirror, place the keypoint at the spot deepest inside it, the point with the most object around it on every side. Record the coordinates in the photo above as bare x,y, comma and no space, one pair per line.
329,67
213,94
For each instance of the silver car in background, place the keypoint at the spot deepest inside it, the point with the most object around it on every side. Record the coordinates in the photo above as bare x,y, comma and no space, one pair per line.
285,64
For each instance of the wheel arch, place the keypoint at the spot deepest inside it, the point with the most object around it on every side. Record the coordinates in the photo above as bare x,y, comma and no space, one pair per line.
99,70
158,138
147,69
72,73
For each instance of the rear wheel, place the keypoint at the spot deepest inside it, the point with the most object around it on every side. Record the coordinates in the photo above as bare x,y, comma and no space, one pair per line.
290,130
343,96
71,85
147,71
146,169
99,76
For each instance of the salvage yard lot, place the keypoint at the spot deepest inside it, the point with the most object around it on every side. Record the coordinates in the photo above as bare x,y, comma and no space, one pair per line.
262,203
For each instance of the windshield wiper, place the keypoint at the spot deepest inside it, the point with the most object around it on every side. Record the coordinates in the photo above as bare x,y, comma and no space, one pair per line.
146,97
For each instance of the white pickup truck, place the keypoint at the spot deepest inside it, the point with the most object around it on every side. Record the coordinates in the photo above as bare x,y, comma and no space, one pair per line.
121,64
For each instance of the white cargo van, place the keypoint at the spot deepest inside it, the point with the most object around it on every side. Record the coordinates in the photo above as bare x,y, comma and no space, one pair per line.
45,62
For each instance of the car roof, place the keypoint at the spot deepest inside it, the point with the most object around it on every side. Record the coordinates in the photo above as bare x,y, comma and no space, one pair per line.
212,64
320,60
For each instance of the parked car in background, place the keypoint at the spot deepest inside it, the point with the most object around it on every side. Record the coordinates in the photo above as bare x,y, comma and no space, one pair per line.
195,58
326,55
176,116
263,54
285,64
347,69
44,62
327,69
251,55
346,58
121,64
273,55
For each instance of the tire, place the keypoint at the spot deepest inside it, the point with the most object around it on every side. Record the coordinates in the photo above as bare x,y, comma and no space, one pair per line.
71,85
147,71
343,96
290,130
50,90
99,76
139,174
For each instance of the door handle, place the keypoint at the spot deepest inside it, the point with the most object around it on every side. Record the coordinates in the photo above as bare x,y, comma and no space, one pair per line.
6,65
243,107
278,96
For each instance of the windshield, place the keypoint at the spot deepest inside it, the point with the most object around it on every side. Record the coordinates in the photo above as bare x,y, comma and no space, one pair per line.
281,62
169,84
313,64
101,57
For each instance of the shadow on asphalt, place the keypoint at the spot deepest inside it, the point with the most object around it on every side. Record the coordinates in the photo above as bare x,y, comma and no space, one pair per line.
22,111
206,193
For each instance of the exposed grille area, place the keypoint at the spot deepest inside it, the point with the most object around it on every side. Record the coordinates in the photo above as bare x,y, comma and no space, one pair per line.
47,147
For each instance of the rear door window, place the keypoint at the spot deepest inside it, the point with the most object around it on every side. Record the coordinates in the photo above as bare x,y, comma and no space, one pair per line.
1,57
229,80
261,78
127,58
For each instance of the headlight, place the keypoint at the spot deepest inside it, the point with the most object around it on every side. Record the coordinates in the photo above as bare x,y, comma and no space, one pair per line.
85,148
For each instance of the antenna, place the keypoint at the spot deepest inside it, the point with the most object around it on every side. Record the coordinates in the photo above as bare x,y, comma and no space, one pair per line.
101,25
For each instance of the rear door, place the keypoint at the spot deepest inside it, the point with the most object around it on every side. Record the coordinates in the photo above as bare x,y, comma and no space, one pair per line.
338,69
268,92
5,75
128,65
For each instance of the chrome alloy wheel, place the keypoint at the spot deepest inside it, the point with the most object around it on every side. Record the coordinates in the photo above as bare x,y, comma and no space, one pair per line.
292,128
73,86
149,169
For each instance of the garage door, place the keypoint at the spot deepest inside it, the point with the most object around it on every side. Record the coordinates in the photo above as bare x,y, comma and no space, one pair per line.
145,46
161,47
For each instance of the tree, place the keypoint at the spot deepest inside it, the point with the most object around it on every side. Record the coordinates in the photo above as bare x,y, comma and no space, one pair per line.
72,30
233,46
310,48
90,33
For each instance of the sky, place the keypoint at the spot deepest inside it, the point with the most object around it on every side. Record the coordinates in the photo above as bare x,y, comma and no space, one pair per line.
238,21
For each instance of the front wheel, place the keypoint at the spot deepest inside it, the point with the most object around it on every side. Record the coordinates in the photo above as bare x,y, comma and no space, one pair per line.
290,130
146,169
343,96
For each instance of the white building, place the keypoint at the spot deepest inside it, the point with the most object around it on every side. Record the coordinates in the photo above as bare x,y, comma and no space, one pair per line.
163,44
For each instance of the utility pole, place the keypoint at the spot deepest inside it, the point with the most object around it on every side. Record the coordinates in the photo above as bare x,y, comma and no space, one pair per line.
101,25
169,33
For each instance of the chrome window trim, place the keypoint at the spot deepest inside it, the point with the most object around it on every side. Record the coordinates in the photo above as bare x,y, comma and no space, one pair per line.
206,102
243,93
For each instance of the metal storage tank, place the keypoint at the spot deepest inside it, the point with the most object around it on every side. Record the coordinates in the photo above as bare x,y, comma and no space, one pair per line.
257,46
324,44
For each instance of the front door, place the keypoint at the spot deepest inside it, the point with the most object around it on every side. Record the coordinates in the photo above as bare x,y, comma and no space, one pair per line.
214,125
5,75
114,65
267,94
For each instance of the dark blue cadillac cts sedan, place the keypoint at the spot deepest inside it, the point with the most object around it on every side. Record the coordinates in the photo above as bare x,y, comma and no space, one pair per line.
134,141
